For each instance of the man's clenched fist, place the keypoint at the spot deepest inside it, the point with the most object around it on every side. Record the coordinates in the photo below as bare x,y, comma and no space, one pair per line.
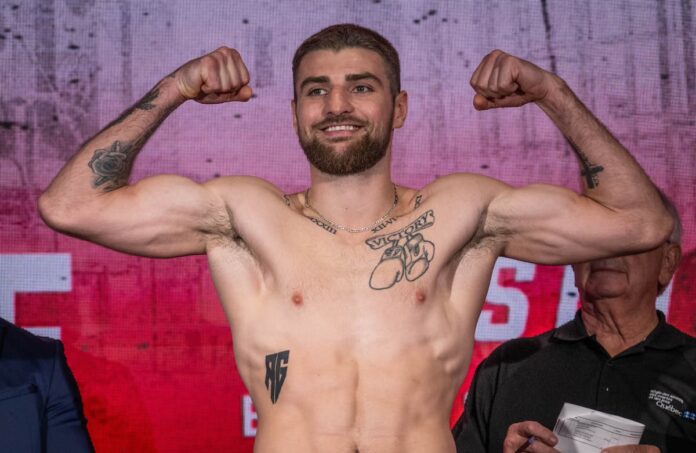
503,80
217,77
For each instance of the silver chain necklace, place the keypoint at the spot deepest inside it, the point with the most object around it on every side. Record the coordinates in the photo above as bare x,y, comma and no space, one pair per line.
347,228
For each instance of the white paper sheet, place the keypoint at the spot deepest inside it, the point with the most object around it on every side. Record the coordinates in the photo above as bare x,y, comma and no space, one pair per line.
582,430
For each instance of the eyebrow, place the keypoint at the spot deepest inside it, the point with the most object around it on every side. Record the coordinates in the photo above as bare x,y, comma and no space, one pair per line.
363,76
316,79
349,78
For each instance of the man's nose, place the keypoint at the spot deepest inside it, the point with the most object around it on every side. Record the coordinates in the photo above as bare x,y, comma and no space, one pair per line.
337,103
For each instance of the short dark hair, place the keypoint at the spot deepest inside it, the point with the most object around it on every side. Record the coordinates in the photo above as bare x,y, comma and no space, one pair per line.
345,36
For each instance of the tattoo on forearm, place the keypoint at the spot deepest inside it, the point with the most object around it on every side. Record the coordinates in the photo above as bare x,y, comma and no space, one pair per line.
146,103
112,166
589,170
276,371
408,253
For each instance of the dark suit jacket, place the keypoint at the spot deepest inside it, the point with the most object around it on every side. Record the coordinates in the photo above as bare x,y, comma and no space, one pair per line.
40,404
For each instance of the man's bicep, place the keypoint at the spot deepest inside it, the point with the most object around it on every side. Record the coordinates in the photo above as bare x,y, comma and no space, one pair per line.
160,216
552,225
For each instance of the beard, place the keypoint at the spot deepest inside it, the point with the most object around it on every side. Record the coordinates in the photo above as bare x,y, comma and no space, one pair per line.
356,158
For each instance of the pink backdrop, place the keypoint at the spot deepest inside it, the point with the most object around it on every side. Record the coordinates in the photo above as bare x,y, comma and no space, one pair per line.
146,338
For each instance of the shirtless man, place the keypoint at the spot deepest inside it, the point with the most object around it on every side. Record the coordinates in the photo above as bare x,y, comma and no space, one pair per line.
353,303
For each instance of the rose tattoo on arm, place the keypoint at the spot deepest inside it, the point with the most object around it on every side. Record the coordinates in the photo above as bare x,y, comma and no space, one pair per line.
112,166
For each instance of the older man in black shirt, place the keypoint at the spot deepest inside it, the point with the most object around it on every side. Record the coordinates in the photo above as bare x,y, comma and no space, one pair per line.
617,356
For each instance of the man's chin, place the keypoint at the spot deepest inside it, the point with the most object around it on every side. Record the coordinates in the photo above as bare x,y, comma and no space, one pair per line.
608,287
328,141
346,155
338,141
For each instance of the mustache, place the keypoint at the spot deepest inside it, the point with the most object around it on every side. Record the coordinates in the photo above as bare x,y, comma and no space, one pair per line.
340,119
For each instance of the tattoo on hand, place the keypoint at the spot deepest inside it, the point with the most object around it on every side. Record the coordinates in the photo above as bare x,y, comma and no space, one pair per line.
276,371
408,253
589,170
112,166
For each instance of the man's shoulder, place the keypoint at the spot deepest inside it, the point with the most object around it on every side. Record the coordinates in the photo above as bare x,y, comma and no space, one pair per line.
20,343
246,201
687,344
466,191
517,350
470,182
232,186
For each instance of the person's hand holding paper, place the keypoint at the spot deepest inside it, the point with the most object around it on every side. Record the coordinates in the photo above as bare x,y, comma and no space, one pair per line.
583,430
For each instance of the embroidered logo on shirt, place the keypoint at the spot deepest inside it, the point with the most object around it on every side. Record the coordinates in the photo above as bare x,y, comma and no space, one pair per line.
672,404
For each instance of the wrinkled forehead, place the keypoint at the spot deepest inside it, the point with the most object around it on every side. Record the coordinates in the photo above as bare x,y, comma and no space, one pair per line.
647,258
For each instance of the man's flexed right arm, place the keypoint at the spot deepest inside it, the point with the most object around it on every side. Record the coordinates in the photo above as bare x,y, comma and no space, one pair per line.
159,216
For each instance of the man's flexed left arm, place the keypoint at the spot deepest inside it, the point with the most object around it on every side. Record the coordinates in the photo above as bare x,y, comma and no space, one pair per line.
620,210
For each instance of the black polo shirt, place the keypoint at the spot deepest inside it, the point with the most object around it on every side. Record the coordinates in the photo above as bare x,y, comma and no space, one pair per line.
653,383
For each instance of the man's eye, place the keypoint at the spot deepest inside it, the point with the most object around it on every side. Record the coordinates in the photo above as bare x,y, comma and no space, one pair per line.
362,89
316,92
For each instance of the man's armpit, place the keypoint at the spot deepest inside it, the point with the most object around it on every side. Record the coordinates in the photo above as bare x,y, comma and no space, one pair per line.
219,229
489,236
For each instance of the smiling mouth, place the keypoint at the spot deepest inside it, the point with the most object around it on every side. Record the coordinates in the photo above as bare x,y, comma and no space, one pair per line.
340,128
340,124
340,132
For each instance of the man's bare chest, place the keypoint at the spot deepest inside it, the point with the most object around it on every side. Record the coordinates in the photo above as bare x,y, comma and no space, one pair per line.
401,255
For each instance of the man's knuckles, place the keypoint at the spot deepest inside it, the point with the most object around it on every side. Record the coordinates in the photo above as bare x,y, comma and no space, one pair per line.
511,443
219,76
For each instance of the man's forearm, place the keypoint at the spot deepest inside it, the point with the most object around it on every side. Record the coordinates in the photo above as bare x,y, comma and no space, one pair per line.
90,197
111,153
503,80
104,163
604,163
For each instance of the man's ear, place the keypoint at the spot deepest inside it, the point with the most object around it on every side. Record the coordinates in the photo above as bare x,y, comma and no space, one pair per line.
400,109
670,261
293,107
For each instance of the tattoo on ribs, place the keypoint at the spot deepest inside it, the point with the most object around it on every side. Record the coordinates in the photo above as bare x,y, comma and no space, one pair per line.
408,253
276,371
589,170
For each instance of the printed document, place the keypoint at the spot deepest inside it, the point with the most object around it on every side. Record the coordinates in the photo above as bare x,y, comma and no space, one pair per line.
582,430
